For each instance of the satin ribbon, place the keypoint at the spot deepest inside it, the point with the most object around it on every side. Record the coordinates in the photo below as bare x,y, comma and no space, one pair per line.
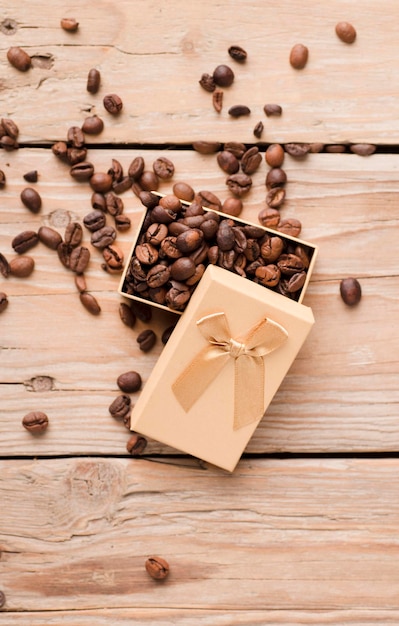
249,375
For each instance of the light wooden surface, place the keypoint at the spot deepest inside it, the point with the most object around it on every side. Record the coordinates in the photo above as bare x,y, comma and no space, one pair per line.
283,540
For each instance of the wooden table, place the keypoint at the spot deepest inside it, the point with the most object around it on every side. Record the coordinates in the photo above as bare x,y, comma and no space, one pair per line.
305,530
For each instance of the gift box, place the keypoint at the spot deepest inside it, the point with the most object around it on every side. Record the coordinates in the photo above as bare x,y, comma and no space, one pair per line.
221,367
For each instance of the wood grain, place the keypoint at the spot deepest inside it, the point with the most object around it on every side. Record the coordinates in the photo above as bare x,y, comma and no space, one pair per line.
304,536
153,57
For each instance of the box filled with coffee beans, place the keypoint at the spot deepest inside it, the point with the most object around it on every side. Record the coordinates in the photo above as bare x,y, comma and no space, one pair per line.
239,289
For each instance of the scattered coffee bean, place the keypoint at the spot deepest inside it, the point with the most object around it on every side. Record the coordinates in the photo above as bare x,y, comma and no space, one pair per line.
82,171
163,168
273,109
269,218
290,226
93,125
275,197
4,266
127,315
258,129
206,81
232,206
237,53
122,222
149,181
2,179
69,24
336,148
80,282
103,237
274,155
129,382
235,147
136,444
10,128
239,184
36,422
101,182
346,32
363,149
297,149
206,147
31,177
31,199
299,56
112,103
94,220
50,237
184,191
238,110
22,266
73,234
146,340
79,259
3,301
351,291
223,76
217,100
75,137
19,58
167,333
276,177
228,162
120,407
25,241
90,303
93,81
113,257
157,567
250,161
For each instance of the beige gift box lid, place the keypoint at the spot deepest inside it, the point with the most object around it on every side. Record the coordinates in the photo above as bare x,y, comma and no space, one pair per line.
207,429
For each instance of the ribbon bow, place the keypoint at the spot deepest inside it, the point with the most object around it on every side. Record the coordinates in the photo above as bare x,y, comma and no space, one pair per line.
247,351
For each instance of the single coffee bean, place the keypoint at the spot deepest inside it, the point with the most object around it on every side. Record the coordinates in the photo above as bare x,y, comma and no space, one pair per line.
258,129
217,100
136,168
316,147
75,137
171,203
19,58
90,303
235,147
60,149
346,32
116,170
31,199
237,53
184,191
206,81
239,184
189,240
98,202
297,149
127,315
228,162
94,220
238,110
276,177
69,24
274,155
299,56
157,567
156,233
146,340
251,159
4,266
122,222
363,149
73,234
79,259
93,125
10,128
2,179
163,168
3,301
82,171
36,422
158,275
167,334
114,258
208,199
147,253
232,206
122,185
113,103
182,268
268,275
31,177
275,197
206,147
80,282
271,249
336,148
223,76
120,407
289,264
290,226
76,155
225,235
269,217
136,444
8,143
273,109
22,266
64,252
103,237
129,382
25,241
114,204
350,290
101,182
93,80
296,282
148,181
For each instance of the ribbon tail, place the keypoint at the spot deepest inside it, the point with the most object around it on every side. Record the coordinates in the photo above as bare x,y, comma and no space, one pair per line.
196,377
248,390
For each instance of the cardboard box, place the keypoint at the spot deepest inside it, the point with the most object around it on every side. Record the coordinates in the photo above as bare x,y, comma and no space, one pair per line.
221,367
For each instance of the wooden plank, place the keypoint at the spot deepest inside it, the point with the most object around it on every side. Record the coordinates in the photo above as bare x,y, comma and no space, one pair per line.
340,394
277,535
153,57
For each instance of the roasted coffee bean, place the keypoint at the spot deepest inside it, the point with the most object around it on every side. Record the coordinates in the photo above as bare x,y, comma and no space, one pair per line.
275,197
60,149
273,109
147,253
136,444
64,252
79,259
336,148
276,177
346,32
182,268
290,226
189,240
157,567
114,205
25,241
19,58
251,230
240,240
258,129
350,290
239,184
120,407
90,303
250,161
237,53
2,179
98,202
225,235
101,182
252,250
217,100
122,185
22,266
136,168
268,275
206,81
363,149
156,233
82,171
80,282
69,24
35,422
167,333
300,252
75,137
178,296
232,206
316,147
94,220
146,340
103,237
129,382
76,155
73,234
198,274
228,162
93,80
238,110
299,56
3,301
171,203
8,143
127,315
297,149
271,249
113,103
184,191
122,222
31,199
148,181
4,266
295,282
206,147
158,275
269,218
93,125
163,168
235,147
223,76
208,199
10,128
289,264
31,177
116,171
169,248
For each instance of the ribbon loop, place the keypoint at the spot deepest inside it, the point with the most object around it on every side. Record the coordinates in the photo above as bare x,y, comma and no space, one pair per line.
247,351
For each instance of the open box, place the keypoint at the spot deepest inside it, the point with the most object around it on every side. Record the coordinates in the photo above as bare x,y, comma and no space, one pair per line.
223,363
